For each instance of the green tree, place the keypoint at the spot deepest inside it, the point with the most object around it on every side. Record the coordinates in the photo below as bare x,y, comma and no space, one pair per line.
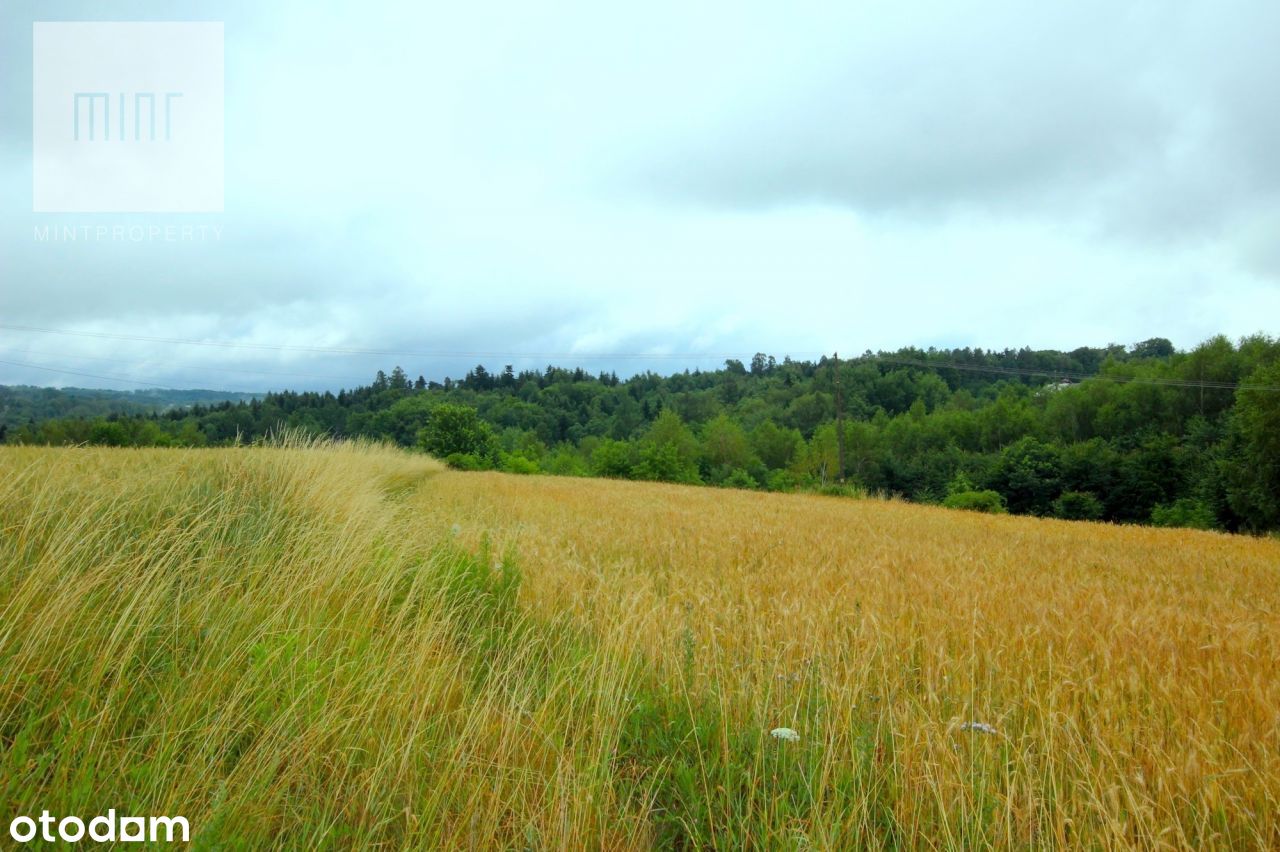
613,459
1011,417
775,446
1254,470
1077,506
456,430
1028,475
669,451
808,410
1184,512
724,444
1156,347
403,420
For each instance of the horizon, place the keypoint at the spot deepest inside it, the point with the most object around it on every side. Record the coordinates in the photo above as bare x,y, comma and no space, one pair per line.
678,365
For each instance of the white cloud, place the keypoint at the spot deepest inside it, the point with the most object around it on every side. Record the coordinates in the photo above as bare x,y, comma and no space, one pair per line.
724,178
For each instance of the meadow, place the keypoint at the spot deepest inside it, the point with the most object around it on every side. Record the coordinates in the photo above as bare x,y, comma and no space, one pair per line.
348,646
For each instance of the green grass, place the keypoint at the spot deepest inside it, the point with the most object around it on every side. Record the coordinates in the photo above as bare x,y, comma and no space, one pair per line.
250,639
272,643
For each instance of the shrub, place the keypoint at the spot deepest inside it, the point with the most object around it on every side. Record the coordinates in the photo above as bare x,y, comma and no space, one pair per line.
1184,512
613,459
466,461
976,501
959,484
739,478
835,489
1077,506
565,462
781,480
512,463
663,463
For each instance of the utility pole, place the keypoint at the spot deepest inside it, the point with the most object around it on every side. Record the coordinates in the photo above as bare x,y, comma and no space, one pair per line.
839,421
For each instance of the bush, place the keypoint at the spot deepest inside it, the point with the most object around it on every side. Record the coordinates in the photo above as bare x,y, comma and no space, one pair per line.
565,462
781,480
512,463
1184,512
835,489
613,459
1077,506
959,484
467,461
663,463
977,501
739,478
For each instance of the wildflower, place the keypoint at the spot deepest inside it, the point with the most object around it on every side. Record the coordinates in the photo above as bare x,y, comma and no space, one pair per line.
455,529
980,727
787,734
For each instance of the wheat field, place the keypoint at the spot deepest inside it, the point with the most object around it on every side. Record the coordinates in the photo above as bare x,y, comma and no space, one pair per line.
347,646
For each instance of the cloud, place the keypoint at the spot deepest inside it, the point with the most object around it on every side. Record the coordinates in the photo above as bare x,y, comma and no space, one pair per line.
579,177
1146,120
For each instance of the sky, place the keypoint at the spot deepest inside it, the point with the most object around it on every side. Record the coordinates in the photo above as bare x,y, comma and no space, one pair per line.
585,183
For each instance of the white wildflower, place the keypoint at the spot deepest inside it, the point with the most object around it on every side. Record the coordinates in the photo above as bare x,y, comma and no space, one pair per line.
787,734
980,727
455,529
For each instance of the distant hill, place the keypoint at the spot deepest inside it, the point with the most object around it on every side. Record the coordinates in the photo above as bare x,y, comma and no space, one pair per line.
21,404
1138,434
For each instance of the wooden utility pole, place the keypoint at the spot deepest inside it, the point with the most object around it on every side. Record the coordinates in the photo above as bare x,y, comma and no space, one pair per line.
839,421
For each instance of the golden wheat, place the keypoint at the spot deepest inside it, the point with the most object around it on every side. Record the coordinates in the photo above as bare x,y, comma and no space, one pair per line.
309,646
1132,674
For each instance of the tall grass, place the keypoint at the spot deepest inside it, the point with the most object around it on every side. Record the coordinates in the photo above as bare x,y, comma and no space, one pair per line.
1131,675
262,641
344,646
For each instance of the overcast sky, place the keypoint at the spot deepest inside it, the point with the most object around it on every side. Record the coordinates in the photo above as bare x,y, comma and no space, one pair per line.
718,178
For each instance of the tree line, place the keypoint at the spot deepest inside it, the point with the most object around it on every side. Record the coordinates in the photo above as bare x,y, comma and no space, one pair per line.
24,404
1137,434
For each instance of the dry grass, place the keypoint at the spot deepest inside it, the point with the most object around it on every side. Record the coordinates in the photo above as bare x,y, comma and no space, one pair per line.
295,648
1133,674
262,641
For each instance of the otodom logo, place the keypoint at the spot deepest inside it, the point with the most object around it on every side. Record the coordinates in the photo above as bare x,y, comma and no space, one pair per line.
127,117
100,829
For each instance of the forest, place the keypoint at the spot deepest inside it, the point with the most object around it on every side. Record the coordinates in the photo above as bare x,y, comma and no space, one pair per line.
21,404
1131,434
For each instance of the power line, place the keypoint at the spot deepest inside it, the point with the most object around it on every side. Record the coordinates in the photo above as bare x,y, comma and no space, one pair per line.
85,375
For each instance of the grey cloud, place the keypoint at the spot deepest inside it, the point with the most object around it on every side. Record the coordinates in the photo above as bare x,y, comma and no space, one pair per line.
720,177
1149,119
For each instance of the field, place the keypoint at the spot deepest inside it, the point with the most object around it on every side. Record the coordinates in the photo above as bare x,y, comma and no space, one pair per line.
352,647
